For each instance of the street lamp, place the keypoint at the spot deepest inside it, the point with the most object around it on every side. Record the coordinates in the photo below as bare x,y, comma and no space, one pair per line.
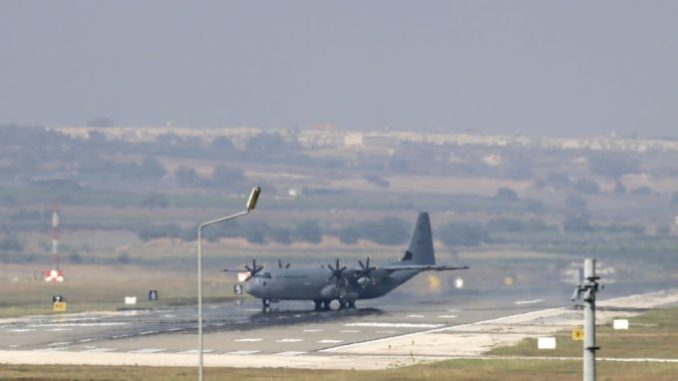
251,204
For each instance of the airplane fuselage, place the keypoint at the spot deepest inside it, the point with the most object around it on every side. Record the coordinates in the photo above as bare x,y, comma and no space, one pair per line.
313,284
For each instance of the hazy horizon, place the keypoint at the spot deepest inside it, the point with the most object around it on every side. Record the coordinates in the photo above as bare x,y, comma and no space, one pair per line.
529,67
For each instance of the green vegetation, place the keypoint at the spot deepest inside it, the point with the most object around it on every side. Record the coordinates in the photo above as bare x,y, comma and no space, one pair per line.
653,334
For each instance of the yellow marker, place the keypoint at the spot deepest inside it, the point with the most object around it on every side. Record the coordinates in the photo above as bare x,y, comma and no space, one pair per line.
578,333
59,307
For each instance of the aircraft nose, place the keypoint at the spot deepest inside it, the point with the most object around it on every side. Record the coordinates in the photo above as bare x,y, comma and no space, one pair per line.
250,287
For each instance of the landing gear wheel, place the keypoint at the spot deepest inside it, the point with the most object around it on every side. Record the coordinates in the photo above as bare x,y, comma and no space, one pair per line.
326,305
318,305
351,304
343,304
266,305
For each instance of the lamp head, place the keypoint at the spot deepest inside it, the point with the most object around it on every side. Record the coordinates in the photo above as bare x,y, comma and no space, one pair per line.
254,197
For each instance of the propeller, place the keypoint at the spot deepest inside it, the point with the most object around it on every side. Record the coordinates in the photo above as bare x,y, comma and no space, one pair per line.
253,270
280,265
337,275
364,275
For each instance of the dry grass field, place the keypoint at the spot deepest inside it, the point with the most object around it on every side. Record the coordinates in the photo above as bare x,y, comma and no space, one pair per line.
471,370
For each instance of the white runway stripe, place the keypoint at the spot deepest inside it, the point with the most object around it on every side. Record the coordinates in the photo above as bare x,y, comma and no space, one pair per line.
447,316
59,344
330,341
386,331
533,301
242,352
393,325
98,324
291,353
289,340
194,351
415,316
59,329
312,330
20,330
147,332
248,340
148,350
98,350
349,331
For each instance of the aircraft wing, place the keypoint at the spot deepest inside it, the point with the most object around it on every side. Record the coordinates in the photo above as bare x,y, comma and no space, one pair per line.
393,268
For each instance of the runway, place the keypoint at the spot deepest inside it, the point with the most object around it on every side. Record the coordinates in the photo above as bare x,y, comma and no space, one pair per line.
243,328
237,334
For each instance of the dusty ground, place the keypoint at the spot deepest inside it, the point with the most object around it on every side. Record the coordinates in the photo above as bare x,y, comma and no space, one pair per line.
477,338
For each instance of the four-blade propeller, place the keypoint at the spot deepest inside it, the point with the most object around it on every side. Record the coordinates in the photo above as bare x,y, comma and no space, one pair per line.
280,265
253,270
337,275
364,275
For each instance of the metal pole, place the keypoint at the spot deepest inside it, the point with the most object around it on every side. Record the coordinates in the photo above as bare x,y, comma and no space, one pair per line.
590,289
201,373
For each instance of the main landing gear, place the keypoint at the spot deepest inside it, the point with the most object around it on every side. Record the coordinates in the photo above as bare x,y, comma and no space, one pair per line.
266,305
326,305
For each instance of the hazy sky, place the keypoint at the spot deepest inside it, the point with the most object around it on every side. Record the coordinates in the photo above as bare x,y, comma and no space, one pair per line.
557,68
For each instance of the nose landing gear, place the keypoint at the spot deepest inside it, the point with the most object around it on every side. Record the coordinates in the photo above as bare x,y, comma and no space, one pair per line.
266,305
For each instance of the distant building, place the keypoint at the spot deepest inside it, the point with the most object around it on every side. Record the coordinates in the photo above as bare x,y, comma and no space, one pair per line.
354,139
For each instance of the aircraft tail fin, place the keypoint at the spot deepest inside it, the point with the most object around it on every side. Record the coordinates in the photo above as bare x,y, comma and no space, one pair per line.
420,250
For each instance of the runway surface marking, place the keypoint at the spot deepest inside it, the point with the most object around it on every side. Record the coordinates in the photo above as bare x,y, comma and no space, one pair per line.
59,344
349,331
98,324
194,351
50,349
447,316
415,316
147,332
289,340
313,330
85,340
20,330
59,329
393,325
98,350
386,331
242,352
121,336
173,329
248,340
148,350
330,341
291,353
533,301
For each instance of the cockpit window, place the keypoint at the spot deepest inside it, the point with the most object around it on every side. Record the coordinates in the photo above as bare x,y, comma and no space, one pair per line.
267,275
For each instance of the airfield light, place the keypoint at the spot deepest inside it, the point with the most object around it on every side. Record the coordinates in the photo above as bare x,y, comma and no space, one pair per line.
251,204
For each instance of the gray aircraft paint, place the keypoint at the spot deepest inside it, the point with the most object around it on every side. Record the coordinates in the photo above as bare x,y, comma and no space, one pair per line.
315,283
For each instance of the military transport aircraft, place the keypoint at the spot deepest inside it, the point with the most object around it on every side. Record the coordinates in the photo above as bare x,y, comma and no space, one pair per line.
345,285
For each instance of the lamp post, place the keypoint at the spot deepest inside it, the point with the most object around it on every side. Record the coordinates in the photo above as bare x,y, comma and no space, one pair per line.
251,204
